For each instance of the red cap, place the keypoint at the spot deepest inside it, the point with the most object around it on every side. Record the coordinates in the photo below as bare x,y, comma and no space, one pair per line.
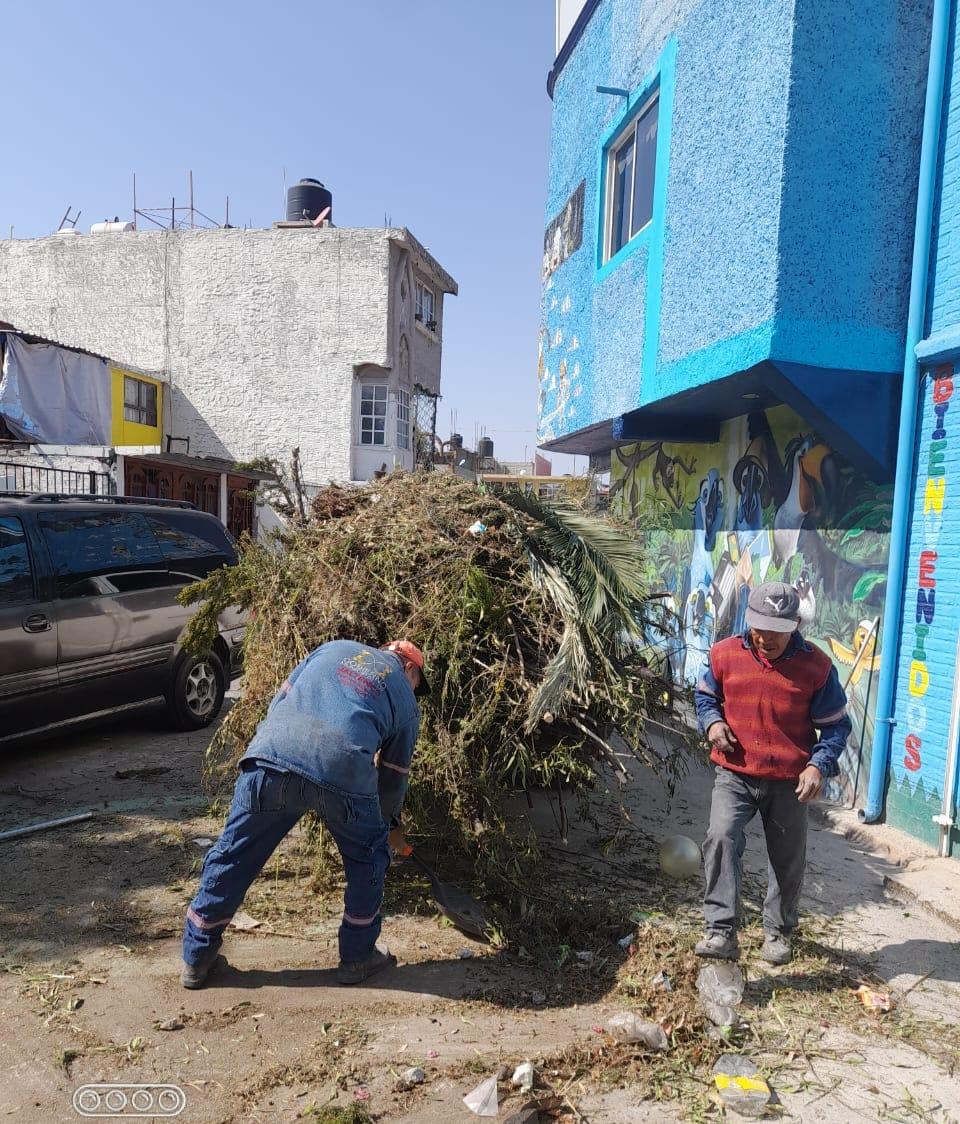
410,651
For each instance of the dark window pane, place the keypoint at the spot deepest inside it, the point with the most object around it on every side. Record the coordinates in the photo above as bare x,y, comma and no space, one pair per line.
131,396
149,398
195,544
16,577
622,169
646,168
83,546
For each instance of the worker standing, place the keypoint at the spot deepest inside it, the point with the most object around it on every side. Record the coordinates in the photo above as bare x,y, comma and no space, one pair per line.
337,740
760,701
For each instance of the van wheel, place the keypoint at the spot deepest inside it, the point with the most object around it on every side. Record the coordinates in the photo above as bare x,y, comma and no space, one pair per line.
196,694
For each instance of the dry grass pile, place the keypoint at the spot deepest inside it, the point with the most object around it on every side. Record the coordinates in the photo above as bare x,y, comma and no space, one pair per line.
533,629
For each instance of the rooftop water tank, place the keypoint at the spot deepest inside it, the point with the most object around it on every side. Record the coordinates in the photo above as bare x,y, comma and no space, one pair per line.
456,441
308,199
114,226
485,448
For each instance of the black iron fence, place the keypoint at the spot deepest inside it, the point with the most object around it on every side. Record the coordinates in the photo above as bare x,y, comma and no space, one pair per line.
17,477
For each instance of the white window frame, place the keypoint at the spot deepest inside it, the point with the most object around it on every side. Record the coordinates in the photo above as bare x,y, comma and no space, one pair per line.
628,133
425,295
403,419
368,431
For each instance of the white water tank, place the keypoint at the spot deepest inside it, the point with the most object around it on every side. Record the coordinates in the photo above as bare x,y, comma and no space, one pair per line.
114,227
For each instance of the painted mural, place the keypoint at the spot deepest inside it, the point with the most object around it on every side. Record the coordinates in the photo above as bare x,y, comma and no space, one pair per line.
769,501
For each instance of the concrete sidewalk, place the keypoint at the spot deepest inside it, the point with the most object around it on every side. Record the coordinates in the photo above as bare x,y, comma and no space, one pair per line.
915,876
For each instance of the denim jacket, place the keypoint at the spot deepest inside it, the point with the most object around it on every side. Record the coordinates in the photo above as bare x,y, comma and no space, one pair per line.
346,718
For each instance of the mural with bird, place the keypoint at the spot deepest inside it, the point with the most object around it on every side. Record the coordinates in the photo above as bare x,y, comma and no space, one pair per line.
774,501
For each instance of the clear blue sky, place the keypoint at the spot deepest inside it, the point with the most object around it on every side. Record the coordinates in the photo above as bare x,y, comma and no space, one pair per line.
433,113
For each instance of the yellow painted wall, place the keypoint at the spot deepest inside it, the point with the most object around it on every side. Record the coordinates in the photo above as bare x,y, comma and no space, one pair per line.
127,432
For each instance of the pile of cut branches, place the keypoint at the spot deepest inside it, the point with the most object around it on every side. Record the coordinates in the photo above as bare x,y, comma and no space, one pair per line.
532,627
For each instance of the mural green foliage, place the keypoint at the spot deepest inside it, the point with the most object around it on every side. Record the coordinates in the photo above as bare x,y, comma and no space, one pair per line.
768,501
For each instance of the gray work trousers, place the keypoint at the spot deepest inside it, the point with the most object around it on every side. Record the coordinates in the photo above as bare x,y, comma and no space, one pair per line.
736,800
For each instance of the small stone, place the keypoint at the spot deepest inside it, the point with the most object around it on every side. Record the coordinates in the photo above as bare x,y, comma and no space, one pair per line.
538,998
170,1024
465,953
409,1079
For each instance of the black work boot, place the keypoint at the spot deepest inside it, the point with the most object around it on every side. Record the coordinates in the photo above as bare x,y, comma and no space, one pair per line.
195,975
348,974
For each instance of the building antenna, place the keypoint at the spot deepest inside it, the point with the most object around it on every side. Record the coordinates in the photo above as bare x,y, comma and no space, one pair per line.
67,221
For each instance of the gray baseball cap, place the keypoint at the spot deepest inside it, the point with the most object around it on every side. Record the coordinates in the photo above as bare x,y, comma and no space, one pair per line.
773,607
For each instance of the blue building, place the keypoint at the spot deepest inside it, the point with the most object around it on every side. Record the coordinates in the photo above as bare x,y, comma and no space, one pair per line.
735,302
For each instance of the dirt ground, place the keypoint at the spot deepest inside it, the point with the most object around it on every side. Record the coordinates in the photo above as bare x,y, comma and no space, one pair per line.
90,919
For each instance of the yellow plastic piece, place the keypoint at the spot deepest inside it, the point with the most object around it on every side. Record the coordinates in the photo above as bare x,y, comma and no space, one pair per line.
745,1084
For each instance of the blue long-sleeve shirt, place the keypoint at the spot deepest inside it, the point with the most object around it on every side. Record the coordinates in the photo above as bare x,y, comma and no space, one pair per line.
824,707
347,718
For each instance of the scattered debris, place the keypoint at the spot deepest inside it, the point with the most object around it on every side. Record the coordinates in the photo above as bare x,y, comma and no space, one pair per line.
17,832
626,1027
542,614
141,774
244,922
523,1077
679,857
484,1100
586,957
740,1085
661,981
432,1054
721,988
538,998
529,1114
170,1024
465,953
203,841
409,1079
626,941
873,1000
476,528
361,1093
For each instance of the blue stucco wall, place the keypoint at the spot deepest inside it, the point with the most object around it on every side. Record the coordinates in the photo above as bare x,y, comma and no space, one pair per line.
944,290
789,183
850,182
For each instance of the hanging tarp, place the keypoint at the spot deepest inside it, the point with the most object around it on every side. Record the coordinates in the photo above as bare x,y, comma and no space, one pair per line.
55,396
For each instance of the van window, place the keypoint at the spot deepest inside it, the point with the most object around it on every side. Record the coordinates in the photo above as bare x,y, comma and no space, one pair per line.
16,576
192,543
83,546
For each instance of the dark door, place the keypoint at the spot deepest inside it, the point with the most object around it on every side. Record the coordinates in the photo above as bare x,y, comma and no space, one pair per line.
117,614
28,637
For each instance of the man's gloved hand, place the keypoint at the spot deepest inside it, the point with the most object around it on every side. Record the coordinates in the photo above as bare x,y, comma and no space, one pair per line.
721,737
809,784
398,842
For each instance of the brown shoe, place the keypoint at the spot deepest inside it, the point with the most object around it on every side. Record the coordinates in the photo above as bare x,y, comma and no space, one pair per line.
349,974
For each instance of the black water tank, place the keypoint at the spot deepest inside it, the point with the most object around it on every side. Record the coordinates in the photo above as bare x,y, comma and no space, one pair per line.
307,199
485,448
456,441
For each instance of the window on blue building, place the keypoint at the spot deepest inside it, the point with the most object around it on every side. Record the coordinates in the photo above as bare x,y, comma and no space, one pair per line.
630,176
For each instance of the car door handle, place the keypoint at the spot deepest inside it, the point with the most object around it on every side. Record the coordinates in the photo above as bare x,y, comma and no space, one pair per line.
36,622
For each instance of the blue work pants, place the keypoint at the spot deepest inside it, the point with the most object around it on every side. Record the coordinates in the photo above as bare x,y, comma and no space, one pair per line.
267,803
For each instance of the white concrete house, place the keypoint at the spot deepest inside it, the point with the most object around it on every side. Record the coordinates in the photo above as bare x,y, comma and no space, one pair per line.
263,340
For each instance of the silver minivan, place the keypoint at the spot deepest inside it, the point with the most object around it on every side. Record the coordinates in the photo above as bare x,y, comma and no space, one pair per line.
89,619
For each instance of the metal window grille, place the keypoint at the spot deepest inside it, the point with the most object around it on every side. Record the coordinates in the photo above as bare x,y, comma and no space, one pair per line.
16,477
424,412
